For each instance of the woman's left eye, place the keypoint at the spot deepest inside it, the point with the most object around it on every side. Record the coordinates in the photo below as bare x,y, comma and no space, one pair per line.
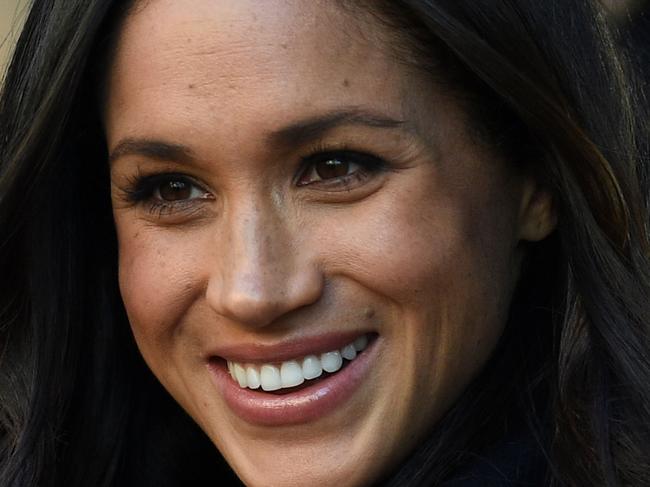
339,167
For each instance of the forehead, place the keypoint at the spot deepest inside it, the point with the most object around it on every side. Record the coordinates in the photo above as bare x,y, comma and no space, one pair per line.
216,56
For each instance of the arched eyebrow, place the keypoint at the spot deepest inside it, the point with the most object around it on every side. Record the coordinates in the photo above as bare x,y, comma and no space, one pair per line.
152,149
291,136
308,130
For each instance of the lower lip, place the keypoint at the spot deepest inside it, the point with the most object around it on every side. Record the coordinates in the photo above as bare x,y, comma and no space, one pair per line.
305,405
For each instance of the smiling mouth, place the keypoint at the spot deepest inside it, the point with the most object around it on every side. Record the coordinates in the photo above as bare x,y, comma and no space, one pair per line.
295,382
292,375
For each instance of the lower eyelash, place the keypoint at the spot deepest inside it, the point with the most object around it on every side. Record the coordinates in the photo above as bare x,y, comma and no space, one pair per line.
368,162
348,181
159,208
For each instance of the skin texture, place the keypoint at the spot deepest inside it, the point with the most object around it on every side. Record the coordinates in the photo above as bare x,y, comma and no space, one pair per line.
425,253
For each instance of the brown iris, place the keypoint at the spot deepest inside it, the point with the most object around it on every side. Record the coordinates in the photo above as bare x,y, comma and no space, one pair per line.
175,190
332,168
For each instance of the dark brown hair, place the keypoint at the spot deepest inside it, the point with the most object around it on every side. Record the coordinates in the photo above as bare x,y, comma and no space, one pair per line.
564,101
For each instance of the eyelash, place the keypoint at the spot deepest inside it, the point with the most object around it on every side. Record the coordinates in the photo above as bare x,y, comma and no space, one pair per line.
142,188
368,165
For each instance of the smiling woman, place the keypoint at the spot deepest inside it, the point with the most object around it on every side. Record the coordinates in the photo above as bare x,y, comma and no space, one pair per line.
255,218
321,243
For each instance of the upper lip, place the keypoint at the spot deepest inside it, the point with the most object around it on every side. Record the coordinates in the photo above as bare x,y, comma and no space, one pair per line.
286,350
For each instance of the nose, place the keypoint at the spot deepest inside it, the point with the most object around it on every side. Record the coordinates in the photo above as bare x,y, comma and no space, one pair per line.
263,272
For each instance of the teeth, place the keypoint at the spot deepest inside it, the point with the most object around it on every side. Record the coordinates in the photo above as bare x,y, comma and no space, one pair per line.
311,367
270,378
331,361
240,374
361,343
349,352
292,373
252,377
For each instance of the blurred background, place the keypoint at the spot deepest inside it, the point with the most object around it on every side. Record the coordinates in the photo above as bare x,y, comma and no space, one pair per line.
11,16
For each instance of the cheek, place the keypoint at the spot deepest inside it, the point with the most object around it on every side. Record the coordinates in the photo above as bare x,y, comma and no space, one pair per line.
157,272
445,272
422,246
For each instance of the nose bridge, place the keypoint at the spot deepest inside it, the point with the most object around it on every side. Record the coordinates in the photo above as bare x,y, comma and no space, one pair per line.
257,244
262,274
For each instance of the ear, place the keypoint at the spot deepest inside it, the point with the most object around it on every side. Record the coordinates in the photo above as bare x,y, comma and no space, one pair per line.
537,213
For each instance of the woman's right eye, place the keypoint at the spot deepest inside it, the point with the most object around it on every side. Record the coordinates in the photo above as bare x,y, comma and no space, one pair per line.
166,193
176,190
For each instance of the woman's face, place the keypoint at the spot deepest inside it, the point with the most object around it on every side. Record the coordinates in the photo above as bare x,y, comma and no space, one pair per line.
284,190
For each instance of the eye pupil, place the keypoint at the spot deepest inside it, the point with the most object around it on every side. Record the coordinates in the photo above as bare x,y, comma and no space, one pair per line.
332,168
175,190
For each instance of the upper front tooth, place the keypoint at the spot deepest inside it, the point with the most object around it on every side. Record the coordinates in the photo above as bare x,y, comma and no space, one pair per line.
270,378
291,374
348,352
331,361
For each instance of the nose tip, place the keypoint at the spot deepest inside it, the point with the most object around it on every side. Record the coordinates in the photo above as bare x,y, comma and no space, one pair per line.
258,299
264,269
